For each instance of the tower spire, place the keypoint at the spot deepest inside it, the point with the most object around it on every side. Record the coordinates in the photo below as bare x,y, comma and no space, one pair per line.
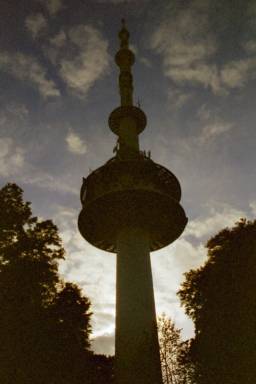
127,121
125,59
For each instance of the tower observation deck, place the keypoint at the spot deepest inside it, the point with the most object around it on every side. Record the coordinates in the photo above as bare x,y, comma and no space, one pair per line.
130,206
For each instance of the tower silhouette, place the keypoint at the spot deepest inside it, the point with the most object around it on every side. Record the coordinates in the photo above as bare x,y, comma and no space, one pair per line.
130,206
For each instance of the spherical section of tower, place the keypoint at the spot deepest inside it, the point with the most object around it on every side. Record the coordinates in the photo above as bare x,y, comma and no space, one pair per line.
134,193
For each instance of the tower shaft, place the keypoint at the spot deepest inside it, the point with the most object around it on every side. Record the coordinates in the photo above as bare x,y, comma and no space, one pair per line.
137,349
131,207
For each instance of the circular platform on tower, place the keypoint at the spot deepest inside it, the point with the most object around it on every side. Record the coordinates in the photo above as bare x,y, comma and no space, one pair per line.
122,112
134,193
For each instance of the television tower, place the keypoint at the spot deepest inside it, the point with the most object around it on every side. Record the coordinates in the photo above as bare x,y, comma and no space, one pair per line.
130,206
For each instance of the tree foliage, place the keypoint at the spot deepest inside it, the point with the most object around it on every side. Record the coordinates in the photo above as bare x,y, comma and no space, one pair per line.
176,366
220,297
44,321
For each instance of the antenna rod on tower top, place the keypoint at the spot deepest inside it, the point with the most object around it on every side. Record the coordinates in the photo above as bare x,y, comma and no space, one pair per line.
125,59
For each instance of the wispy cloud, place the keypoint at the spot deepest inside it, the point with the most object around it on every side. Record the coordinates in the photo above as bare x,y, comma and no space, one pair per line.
14,163
27,69
14,124
36,24
237,73
34,176
214,129
218,217
75,144
53,6
11,157
250,46
88,63
189,50
178,97
59,39
81,56
104,342
187,47
144,60
212,125
13,115
253,207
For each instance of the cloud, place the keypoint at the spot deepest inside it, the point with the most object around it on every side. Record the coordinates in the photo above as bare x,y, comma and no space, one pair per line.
13,115
104,343
81,57
75,143
11,157
59,39
219,216
189,50
236,74
53,6
20,111
36,24
13,163
212,130
14,121
19,160
250,46
144,60
57,48
213,125
187,47
178,97
89,60
253,207
27,69
169,266
41,179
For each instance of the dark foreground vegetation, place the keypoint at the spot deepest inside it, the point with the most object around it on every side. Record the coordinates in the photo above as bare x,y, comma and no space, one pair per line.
220,297
45,321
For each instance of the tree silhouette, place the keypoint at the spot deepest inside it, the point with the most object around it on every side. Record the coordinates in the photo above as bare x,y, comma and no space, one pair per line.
220,297
44,322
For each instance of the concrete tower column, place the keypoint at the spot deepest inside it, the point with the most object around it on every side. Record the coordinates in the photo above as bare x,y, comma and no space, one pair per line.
137,349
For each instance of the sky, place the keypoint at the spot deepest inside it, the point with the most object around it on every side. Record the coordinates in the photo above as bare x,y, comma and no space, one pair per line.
194,77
